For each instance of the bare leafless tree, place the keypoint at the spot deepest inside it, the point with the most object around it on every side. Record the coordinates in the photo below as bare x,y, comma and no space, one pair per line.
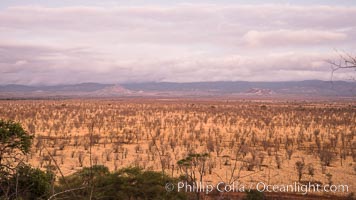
346,61
299,165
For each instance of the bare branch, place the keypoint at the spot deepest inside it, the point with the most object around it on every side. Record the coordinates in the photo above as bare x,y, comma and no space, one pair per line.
346,61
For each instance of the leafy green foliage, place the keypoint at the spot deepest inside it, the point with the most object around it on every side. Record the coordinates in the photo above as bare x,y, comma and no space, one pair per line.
27,183
127,183
14,141
19,181
254,195
192,164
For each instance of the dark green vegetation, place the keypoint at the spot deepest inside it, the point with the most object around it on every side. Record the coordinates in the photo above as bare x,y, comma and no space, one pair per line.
254,195
128,183
14,142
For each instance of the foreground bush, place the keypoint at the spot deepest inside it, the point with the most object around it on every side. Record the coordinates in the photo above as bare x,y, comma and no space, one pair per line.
128,183
89,183
26,183
254,195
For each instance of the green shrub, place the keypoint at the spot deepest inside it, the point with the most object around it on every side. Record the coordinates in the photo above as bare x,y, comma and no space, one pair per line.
127,183
27,183
254,195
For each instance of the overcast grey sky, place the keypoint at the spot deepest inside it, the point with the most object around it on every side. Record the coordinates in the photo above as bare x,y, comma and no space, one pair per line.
73,41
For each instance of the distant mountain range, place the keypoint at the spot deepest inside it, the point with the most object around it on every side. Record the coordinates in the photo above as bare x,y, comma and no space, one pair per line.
300,89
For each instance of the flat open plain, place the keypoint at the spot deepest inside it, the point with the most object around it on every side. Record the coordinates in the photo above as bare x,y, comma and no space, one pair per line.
244,141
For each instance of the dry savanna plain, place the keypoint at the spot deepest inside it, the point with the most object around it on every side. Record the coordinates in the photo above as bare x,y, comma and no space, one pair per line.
209,140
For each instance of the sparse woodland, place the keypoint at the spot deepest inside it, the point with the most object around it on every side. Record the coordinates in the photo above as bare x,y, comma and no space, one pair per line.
211,141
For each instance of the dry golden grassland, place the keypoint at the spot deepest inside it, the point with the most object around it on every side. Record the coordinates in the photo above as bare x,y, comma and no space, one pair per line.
245,141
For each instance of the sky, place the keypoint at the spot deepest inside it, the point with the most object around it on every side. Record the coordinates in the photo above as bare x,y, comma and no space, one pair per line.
47,42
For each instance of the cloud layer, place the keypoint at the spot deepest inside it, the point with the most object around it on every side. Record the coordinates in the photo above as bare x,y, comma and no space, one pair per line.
183,42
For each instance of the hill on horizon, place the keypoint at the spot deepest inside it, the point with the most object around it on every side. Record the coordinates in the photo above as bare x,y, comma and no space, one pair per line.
308,88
